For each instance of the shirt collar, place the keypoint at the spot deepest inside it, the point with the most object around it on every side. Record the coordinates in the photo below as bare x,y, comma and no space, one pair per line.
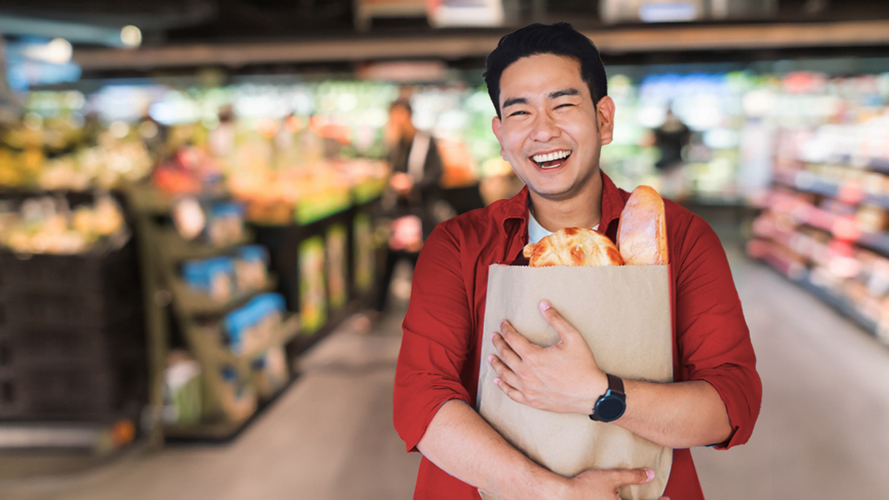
515,209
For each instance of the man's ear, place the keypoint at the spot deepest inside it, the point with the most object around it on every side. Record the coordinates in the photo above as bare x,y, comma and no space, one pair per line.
605,119
495,126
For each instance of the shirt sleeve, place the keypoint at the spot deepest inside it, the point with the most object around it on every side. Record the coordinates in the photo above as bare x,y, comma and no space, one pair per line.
713,341
436,340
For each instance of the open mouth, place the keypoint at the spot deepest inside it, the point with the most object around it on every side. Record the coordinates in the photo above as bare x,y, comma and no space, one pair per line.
551,160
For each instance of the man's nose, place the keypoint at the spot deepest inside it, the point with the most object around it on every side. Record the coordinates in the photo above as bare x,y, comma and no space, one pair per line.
545,128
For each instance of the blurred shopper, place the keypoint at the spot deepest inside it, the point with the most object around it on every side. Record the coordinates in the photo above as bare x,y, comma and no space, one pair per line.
222,138
549,90
671,138
412,195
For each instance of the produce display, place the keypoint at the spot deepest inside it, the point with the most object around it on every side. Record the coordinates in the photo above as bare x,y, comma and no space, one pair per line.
49,225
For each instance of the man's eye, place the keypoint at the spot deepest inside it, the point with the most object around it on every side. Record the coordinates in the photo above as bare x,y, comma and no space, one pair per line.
564,105
516,113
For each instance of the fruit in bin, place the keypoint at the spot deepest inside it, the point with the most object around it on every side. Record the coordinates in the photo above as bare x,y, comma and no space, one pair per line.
83,220
108,216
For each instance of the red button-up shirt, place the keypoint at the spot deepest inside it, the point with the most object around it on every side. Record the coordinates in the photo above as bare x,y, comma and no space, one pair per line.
440,349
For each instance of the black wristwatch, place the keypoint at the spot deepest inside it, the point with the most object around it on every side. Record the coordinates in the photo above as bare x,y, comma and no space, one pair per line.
611,405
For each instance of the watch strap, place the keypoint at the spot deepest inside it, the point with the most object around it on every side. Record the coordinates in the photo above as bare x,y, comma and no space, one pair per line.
615,384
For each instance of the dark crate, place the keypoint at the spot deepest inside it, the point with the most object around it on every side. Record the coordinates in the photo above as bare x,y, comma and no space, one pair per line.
33,345
72,392
107,274
58,393
54,310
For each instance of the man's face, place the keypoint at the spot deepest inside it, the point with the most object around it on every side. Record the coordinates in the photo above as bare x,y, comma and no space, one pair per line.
550,131
399,118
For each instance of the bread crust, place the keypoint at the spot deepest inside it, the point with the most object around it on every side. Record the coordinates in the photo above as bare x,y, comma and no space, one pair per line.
573,246
642,231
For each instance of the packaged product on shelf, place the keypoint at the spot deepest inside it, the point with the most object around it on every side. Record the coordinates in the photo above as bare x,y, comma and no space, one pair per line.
270,371
872,218
338,285
225,224
239,329
268,314
251,327
363,252
250,267
189,218
312,284
238,399
214,277
182,390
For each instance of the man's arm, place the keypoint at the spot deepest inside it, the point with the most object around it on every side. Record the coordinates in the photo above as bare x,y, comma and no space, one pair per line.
460,442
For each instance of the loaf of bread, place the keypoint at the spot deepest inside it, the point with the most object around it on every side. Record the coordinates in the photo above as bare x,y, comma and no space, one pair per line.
573,246
642,232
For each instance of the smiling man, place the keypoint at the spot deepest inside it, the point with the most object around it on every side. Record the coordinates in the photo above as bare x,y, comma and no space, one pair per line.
549,89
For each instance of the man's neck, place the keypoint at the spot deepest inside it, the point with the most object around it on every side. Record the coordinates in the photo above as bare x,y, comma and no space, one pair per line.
582,210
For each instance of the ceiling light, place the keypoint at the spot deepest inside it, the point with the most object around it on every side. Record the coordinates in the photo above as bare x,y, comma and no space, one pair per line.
131,36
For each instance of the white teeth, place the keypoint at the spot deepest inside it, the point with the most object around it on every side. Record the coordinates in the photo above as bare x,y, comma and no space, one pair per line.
551,156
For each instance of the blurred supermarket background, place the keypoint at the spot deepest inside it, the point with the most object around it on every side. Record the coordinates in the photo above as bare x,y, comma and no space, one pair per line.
194,239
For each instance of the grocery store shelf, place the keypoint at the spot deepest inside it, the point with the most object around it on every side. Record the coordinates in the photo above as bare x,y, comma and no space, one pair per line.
451,45
210,338
180,249
811,183
877,164
875,241
219,431
201,304
73,436
839,303
148,199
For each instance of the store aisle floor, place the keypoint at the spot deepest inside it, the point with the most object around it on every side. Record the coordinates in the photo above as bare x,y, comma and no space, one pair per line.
823,432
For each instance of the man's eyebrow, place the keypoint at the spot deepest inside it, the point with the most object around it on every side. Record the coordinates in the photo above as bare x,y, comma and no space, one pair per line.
563,92
513,101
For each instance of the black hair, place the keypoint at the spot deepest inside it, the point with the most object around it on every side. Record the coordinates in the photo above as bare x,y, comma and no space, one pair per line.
559,39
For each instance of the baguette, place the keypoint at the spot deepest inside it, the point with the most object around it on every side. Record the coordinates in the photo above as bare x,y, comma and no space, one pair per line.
642,231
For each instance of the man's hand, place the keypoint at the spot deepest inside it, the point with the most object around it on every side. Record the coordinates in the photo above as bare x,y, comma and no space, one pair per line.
599,484
563,378
402,183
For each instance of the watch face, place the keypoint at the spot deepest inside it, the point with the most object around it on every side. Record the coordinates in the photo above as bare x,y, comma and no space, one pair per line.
610,408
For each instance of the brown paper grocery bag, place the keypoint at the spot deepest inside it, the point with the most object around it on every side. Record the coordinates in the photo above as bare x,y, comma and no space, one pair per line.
623,312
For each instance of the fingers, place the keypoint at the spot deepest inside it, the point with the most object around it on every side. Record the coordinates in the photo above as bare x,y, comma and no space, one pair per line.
518,343
505,350
510,391
503,371
624,477
566,331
